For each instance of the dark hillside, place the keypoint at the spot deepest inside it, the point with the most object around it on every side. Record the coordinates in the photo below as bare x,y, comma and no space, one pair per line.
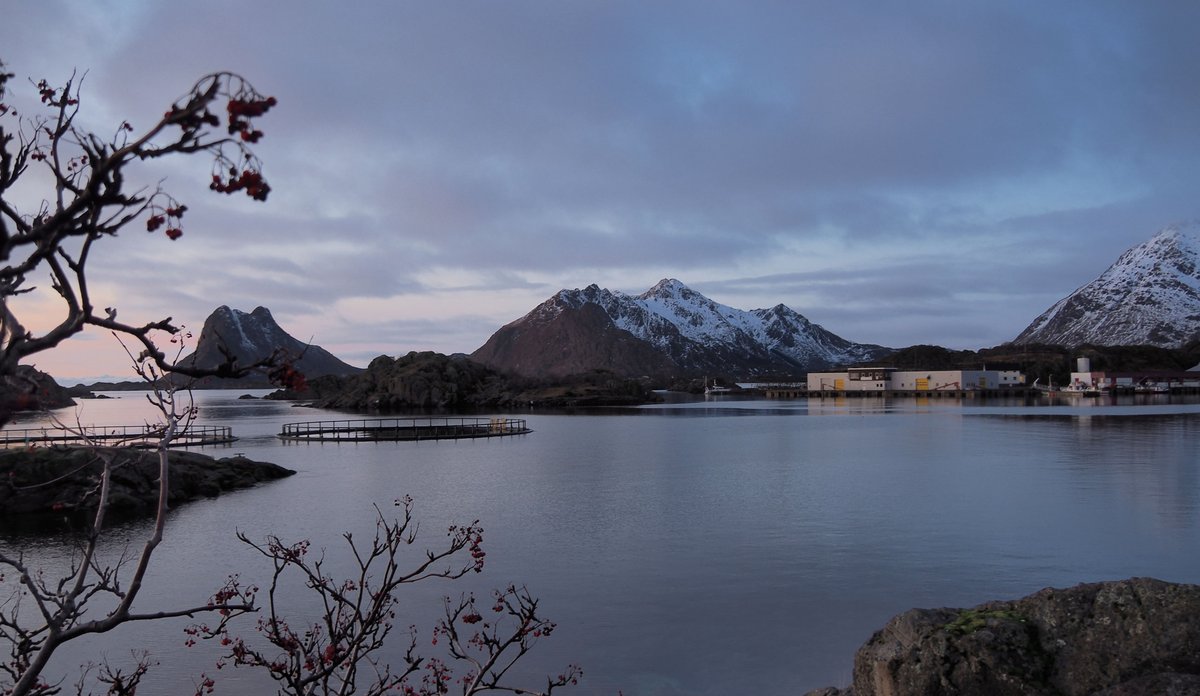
435,382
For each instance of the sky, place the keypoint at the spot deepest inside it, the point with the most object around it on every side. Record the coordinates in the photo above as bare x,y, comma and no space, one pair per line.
899,173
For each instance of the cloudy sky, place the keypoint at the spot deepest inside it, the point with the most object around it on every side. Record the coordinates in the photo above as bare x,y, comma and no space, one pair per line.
900,173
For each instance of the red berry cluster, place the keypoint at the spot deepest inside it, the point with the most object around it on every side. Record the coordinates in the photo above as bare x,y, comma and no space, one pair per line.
170,217
250,181
288,377
329,655
55,97
470,537
477,553
240,113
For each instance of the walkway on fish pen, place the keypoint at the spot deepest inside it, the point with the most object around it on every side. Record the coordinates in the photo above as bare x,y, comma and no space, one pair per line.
402,429
141,436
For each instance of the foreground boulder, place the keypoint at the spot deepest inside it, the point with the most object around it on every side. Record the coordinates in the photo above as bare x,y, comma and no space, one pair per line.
52,485
1123,638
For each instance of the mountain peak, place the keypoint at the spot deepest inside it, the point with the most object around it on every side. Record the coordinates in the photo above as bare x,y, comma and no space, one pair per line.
1183,228
249,338
690,334
1184,236
667,287
1149,296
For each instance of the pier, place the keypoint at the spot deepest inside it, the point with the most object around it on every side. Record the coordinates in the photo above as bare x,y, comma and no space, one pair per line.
784,391
402,429
141,436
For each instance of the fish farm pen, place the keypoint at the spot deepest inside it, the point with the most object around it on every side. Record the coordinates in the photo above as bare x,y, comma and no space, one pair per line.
402,429
143,436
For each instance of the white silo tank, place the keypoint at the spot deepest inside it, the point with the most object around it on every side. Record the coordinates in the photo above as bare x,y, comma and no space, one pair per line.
1083,365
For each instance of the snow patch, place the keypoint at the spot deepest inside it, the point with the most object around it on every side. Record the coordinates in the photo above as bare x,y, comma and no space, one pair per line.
678,320
1151,295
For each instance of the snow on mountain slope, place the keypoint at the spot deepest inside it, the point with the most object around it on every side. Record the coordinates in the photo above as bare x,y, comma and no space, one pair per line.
698,334
1150,296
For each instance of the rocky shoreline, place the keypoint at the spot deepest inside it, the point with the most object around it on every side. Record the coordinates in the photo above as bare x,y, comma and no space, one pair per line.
1121,638
48,487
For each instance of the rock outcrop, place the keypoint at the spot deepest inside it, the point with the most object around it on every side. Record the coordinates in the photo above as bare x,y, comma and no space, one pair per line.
31,390
1136,636
47,485
417,380
249,338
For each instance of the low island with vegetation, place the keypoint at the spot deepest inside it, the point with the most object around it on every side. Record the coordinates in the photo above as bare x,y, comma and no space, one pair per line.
49,487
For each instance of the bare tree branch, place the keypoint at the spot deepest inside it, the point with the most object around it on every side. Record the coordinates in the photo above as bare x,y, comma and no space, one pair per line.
338,652
89,201
63,606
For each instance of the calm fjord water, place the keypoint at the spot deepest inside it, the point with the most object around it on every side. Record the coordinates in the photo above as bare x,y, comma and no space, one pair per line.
708,547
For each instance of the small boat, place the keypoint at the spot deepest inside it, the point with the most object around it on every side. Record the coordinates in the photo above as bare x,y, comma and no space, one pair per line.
1076,389
713,389
1081,389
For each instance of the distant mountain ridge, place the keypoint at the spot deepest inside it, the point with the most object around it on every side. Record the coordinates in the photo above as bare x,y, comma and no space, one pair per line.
254,336
668,330
1150,296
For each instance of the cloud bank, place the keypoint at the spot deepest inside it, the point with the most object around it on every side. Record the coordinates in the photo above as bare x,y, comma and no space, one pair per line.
928,172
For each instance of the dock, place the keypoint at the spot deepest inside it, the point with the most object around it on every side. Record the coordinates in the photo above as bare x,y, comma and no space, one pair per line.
402,429
140,436
784,391
1003,392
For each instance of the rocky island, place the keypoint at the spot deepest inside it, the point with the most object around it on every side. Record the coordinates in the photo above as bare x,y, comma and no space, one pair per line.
432,381
46,486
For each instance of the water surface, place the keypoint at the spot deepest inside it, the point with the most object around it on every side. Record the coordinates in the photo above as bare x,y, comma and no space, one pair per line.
711,547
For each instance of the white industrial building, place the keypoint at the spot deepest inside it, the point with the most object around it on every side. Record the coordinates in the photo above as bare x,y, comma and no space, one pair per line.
889,379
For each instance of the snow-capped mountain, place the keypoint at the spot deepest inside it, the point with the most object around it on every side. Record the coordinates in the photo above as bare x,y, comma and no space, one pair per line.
1150,296
254,336
669,329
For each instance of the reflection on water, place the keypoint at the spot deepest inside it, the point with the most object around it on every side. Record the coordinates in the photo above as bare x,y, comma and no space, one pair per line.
720,546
